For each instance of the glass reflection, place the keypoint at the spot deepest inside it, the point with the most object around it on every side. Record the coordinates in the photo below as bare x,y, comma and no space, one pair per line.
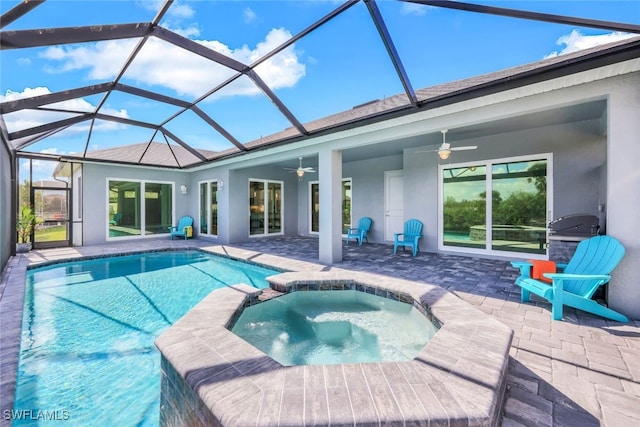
256,208
464,210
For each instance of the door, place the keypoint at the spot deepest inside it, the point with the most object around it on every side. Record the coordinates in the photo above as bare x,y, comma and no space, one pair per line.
52,215
393,203
265,207
498,206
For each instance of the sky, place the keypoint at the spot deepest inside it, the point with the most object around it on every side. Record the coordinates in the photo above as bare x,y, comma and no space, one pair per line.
333,69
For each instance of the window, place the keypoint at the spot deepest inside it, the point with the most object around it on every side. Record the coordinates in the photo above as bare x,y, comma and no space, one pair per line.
512,219
265,207
209,208
314,208
130,214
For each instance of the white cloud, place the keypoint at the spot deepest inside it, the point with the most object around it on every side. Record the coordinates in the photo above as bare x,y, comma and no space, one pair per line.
25,119
249,15
414,9
178,9
166,65
576,41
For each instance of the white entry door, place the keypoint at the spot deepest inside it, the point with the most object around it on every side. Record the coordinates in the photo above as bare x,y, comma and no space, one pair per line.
393,203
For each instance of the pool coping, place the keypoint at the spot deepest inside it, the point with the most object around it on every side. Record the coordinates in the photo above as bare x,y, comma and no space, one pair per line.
213,377
12,292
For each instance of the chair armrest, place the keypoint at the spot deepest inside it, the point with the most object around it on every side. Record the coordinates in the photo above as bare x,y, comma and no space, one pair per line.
564,276
173,228
520,264
523,266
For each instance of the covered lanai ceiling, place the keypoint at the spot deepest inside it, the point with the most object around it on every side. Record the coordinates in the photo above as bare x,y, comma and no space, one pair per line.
166,86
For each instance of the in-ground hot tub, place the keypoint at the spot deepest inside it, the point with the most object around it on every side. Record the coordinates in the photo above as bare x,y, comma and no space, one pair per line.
213,377
328,327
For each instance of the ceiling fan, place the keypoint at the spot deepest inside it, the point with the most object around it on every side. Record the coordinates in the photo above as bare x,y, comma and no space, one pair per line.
300,171
445,149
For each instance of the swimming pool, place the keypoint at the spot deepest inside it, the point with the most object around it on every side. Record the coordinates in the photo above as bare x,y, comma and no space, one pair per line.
87,353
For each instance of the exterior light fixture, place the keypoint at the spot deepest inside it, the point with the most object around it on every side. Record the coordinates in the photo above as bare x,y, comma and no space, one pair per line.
220,185
183,189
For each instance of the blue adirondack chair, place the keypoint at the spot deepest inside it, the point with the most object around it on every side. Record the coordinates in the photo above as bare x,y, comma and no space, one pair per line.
360,232
183,229
410,237
588,269
116,219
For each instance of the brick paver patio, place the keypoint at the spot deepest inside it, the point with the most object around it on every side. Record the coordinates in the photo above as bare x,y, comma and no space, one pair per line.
583,371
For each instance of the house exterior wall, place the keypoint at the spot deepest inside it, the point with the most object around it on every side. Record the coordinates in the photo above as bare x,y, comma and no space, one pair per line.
233,207
577,163
367,181
594,163
6,239
194,180
94,200
623,184
368,191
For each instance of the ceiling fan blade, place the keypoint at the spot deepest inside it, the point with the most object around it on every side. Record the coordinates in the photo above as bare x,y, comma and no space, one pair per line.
308,169
468,147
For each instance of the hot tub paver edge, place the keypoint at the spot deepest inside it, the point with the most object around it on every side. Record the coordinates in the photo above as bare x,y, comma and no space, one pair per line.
460,321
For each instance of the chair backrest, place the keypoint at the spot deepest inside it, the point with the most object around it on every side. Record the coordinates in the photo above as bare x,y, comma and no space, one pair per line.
185,221
596,255
413,227
364,223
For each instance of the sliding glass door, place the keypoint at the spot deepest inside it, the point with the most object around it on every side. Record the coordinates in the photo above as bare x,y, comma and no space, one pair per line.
209,208
265,207
512,219
138,208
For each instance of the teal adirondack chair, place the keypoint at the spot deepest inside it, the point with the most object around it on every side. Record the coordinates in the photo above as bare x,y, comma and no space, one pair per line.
588,269
360,232
410,237
116,219
183,229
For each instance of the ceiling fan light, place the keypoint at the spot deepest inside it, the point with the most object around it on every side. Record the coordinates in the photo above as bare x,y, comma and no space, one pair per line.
444,154
300,173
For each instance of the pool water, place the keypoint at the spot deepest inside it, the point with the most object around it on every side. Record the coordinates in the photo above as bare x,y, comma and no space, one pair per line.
87,348
332,327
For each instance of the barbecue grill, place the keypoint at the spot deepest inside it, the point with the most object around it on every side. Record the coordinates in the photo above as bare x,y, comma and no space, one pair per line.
574,227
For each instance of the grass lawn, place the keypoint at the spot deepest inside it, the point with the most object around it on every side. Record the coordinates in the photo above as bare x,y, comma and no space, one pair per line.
51,234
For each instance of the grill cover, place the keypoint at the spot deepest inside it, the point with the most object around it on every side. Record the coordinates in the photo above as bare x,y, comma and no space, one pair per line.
578,225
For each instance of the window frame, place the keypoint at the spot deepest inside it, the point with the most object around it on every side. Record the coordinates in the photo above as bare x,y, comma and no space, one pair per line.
310,205
265,226
143,220
489,163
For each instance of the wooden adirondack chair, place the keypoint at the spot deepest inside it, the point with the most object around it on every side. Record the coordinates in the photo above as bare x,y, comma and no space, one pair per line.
360,232
588,269
410,237
183,229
